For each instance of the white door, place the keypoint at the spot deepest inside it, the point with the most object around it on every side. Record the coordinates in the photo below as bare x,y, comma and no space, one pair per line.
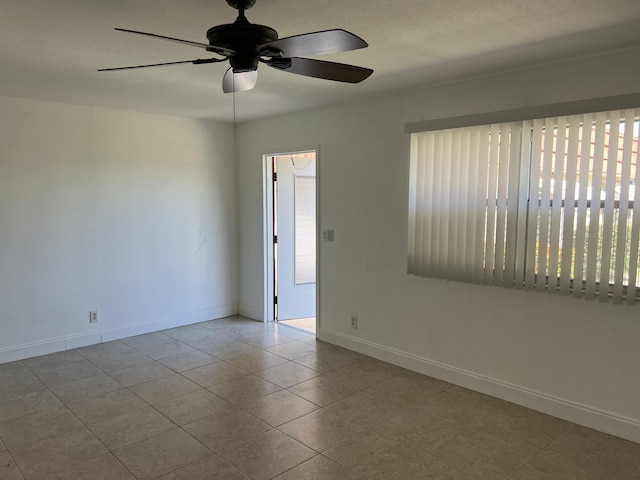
296,234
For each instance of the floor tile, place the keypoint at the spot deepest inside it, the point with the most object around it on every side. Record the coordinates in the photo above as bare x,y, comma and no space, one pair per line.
231,328
330,359
287,374
279,407
87,387
205,340
16,379
161,454
55,453
145,372
164,388
364,374
57,359
242,389
409,391
188,408
112,356
211,468
481,456
19,405
293,333
219,431
521,428
8,468
371,456
254,362
108,405
319,467
581,453
157,345
56,374
131,427
292,350
266,456
225,348
426,468
37,426
209,375
462,411
187,361
636,474
322,430
365,409
188,333
106,467
323,390
264,340
421,430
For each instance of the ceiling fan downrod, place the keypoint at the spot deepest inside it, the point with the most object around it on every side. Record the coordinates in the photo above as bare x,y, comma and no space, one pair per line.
241,5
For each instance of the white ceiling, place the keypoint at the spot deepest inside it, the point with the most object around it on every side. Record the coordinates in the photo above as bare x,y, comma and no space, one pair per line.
51,49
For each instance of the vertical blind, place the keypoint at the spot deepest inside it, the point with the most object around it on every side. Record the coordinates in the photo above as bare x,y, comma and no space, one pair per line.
542,204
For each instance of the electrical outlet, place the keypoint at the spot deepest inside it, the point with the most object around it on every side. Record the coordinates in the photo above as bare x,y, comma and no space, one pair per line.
354,321
93,316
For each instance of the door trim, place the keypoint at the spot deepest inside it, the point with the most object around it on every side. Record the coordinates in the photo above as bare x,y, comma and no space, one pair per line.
267,228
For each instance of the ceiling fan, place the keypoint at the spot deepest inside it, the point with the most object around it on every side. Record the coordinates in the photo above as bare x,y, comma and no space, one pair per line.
245,45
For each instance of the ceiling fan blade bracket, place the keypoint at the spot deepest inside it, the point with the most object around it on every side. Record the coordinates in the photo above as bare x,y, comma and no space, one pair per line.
280,63
271,52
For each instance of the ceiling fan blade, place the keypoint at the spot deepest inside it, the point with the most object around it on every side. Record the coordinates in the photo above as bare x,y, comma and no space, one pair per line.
198,61
315,43
206,46
308,67
239,82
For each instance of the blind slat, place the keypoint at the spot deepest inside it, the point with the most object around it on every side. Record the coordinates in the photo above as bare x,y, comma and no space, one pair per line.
623,211
501,202
592,276
610,167
569,210
545,204
524,166
581,225
534,207
455,193
481,201
556,207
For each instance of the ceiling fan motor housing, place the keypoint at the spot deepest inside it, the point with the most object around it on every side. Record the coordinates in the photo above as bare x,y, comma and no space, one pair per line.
243,38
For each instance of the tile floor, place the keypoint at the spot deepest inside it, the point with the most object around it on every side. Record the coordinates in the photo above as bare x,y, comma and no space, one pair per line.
235,399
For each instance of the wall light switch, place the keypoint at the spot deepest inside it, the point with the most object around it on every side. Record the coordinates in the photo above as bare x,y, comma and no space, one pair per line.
327,235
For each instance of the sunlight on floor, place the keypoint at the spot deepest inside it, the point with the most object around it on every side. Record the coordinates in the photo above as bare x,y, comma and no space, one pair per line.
306,324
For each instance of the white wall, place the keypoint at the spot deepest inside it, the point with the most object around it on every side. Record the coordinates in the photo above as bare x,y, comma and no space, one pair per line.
574,359
130,214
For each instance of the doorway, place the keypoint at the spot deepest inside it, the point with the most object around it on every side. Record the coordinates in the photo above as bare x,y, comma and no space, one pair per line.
291,236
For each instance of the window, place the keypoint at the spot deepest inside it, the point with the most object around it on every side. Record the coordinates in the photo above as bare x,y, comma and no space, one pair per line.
544,204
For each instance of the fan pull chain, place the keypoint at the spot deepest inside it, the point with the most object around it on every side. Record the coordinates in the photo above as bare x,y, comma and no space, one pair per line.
233,80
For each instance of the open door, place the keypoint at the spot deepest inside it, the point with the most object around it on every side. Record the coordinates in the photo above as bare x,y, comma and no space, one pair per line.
294,235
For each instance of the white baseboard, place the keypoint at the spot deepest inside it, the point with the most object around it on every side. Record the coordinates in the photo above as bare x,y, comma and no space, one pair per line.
11,354
45,347
618,425
171,322
251,313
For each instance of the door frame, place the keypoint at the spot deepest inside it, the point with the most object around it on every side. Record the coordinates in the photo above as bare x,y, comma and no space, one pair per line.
267,228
